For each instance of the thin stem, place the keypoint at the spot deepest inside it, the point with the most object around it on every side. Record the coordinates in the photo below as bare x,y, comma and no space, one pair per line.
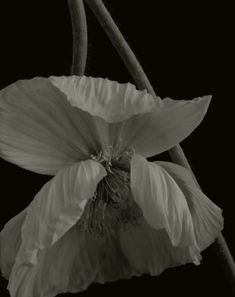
79,28
142,82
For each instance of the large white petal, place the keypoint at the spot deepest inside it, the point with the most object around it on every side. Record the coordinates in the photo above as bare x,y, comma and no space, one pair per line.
57,207
110,100
151,251
110,103
207,217
40,130
163,203
157,131
75,261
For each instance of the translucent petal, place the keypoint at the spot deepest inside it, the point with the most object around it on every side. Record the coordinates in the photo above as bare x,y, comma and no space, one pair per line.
75,261
162,201
57,207
207,217
40,130
157,131
150,251
110,100
10,240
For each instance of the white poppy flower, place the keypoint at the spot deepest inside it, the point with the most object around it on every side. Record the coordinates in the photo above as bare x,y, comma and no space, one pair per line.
107,213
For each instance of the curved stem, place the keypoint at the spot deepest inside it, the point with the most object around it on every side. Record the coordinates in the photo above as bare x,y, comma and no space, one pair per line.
142,82
79,28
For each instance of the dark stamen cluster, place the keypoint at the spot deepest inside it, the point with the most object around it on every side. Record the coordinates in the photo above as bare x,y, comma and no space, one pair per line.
112,206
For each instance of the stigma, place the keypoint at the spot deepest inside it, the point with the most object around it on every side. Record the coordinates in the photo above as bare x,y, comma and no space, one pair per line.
112,207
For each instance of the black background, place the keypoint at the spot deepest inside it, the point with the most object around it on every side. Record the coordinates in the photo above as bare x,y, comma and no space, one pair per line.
185,51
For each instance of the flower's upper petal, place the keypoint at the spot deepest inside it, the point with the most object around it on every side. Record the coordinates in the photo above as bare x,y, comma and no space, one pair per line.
57,207
110,100
40,130
207,217
157,131
163,203
150,251
110,103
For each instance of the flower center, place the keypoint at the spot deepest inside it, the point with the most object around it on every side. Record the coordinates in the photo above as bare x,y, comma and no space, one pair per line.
112,207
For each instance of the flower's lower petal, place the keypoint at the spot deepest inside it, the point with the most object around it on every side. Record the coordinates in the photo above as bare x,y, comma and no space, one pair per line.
57,207
10,240
40,130
75,261
151,251
207,217
157,131
162,201
110,100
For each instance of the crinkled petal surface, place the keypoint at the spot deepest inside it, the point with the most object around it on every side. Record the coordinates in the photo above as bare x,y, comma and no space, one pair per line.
157,131
163,203
40,130
207,217
49,123
151,251
57,207
132,117
75,261
110,103
79,259
53,212
110,100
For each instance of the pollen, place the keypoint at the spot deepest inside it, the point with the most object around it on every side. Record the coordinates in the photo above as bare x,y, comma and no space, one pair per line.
112,207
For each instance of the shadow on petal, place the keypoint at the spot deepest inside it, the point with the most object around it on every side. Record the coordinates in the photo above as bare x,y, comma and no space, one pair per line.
72,264
207,217
151,251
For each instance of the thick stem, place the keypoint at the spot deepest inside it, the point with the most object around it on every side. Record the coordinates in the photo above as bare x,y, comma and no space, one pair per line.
79,28
178,156
142,82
